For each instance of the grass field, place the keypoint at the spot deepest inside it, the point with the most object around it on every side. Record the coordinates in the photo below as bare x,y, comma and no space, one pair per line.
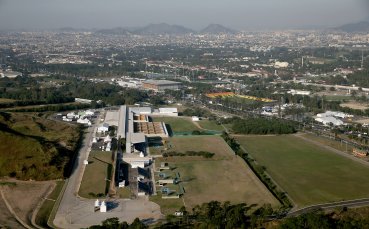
95,175
210,125
167,206
3,100
308,173
178,124
212,144
225,177
330,142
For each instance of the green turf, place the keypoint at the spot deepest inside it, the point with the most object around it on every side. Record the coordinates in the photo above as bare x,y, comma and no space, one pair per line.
167,206
308,173
178,124
338,97
210,125
95,175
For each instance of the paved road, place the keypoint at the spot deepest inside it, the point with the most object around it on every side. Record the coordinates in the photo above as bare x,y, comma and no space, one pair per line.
77,212
330,206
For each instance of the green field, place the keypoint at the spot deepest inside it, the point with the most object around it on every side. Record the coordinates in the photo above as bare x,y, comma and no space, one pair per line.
338,97
308,173
178,124
225,177
210,125
95,175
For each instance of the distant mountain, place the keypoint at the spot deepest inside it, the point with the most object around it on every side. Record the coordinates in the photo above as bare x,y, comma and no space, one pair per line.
358,27
163,28
217,29
114,31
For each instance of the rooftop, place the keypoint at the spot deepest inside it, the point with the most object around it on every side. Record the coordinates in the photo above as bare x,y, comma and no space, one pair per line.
161,82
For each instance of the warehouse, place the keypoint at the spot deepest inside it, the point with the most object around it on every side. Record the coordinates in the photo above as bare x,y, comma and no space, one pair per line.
161,85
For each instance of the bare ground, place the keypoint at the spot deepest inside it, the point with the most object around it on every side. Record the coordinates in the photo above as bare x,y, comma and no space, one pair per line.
6,218
355,105
25,197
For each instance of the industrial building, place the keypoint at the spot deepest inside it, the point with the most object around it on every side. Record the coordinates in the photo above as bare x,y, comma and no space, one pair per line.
161,85
10,74
135,127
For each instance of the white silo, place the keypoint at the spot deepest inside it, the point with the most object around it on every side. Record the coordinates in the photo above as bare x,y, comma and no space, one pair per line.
103,207
97,203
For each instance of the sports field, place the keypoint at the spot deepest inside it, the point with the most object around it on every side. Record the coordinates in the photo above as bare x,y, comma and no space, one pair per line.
178,124
309,173
225,177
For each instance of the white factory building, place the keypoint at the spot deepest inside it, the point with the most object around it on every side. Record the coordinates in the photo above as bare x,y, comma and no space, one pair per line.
332,117
134,126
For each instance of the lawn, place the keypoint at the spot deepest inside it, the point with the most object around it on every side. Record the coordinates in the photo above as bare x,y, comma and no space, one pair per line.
308,173
167,206
221,180
96,172
178,124
212,144
210,125
225,177
330,142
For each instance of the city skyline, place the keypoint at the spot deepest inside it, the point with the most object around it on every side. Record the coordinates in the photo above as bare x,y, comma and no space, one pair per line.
236,14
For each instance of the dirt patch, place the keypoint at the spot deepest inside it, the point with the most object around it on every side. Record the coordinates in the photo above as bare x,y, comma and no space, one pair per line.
25,196
6,218
355,105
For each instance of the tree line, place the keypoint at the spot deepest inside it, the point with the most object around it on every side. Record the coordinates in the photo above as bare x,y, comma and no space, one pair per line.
260,125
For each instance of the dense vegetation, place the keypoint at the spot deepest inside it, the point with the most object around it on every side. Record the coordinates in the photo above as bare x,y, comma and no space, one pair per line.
220,215
226,215
61,89
259,125
113,223
36,148
319,220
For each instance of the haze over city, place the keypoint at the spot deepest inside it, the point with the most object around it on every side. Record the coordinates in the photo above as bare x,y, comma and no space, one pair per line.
237,14
138,114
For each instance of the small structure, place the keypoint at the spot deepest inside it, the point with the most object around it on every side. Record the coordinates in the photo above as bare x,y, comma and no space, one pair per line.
122,184
85,162
97,203
168,111
103,207
108,147
103,128
107,139
359,153
195,119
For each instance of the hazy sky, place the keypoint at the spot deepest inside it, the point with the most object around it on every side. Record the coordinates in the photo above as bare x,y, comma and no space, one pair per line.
238,14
